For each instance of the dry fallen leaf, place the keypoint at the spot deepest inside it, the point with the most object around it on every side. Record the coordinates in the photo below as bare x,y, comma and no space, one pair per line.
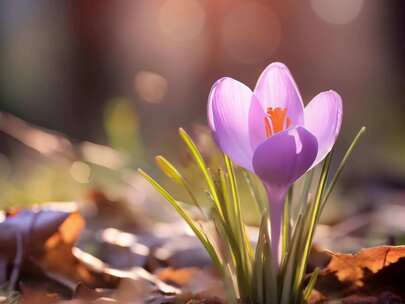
202,282
25,234
371,273
60,247
43,243
34,228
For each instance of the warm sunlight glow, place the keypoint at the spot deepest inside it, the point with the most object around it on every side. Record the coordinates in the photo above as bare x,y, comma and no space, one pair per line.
337,11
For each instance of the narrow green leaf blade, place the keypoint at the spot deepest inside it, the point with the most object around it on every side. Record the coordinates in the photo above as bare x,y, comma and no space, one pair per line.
286,224
311,284
170,171
192,224
343,164
311,220
195,153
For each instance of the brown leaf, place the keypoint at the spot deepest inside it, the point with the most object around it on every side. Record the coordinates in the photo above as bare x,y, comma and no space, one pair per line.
353,269
196,281
77,267
34,228
49,238
179,277
59,247
370,272
28,234
67,233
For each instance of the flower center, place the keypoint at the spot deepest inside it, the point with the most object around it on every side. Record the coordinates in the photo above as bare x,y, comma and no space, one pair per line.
276,120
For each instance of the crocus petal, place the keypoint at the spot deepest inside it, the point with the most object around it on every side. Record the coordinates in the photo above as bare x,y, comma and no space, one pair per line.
209,107
323,118
276,88
230,110
284,157
257,132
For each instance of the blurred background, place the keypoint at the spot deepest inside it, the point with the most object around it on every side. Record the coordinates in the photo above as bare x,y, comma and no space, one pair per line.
97,88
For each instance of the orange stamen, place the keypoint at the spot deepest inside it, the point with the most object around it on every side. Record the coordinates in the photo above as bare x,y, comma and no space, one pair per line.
267,126
276,120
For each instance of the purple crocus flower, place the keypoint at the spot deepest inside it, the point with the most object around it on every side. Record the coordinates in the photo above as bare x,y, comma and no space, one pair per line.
269,132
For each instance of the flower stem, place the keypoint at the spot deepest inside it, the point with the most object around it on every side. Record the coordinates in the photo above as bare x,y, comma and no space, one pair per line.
276,203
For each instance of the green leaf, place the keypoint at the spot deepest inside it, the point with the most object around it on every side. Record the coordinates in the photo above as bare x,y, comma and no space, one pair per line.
304,198
225,197
254,193
170,171
258,267
244,248
311,284
342,165
290,266
192,224
230,255
286,224
311,220
236,207
195,153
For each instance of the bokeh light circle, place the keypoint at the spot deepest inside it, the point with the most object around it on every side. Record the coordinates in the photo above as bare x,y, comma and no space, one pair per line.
181,20
150,86
337,11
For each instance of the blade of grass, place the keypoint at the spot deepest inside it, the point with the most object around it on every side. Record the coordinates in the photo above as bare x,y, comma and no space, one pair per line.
311,220
306,188
229,231
286,224
232,256
244,244
226,199
290,266
195,153
260,204
342,164
304,198
231,227
311,284
170,171
192,224
257,275
236,208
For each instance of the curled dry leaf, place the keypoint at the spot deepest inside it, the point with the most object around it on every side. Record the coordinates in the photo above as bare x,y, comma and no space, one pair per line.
34,229
60,247
25,234
370,272
45,241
